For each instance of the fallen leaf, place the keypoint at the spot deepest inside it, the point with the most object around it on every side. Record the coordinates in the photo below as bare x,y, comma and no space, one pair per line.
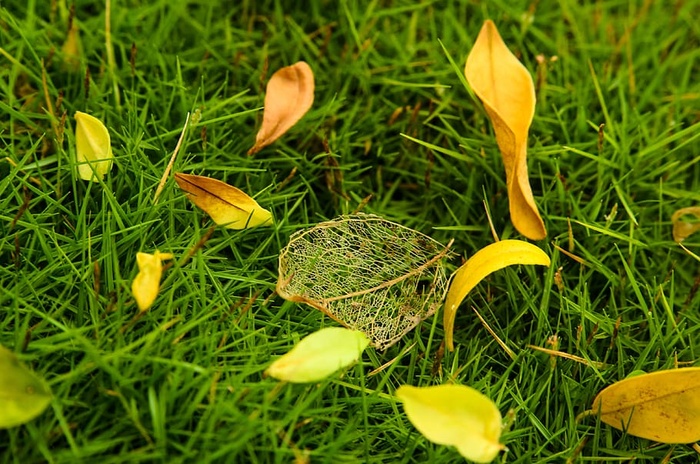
662,406
455,415
93,147
225,204
319,355
684,229
506,89
146,284
71,48
487,260
289,95
23,394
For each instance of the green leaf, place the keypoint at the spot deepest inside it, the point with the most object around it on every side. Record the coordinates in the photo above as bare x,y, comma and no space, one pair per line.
23,394
319,355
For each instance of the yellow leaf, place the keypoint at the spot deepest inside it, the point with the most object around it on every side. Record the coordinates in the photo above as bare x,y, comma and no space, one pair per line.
71,48
684,229
487,260
505,88
225,204
146,284
455,415
93,147
662,406
319,355
289,95
23,394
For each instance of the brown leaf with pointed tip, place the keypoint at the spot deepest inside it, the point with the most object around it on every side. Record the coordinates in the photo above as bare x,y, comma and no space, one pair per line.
506,89
225,204
289,95
684,229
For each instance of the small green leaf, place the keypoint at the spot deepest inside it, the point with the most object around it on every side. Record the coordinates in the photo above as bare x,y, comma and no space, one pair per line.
455,415
23,394
319,355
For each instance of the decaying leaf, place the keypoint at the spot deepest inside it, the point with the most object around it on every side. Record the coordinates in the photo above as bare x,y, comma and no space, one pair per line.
455,415
146,284
289,95
367,273
225,204
662,406
319,355
23,394
71,48
93,147
684,229
487,260
506,89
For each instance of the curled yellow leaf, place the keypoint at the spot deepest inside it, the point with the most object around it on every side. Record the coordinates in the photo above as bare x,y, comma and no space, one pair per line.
662,406
319,355
455,415
146,284
487,260
225,204
506,89
93,147
684,229
289,95
23,394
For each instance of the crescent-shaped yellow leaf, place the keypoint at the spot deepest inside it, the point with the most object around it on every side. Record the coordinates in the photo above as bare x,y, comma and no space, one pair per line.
487,260
506,89
455,415
684,229
92,147
662,406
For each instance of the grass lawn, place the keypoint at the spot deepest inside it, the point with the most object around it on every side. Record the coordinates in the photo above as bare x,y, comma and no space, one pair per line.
184,383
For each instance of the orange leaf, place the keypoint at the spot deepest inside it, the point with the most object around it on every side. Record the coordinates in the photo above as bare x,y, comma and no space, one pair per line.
506,89
684,229
289,95
225,204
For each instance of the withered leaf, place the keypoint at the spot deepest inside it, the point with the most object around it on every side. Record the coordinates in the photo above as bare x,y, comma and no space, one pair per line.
289,95
684,229
225,204
506,89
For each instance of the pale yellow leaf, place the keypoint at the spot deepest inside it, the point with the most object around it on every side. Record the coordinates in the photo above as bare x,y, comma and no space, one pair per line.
146,284
93,147
487,260
71,48
289,95
225,204
684,229
506,89
319,355
455,415
23,394
662,406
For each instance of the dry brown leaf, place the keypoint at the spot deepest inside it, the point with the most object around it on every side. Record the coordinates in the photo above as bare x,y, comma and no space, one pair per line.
289,95
506,89
684,229
225,204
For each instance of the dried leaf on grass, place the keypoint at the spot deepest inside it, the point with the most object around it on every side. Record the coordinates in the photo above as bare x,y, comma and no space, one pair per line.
146,284
684,229
455,415
487,260
319,355
506,89
225,204
289,95
23,394
662,406
93,147
367,273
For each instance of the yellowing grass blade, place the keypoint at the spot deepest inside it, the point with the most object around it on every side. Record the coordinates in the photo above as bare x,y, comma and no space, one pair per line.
319,355
225,204
506,89
23,394
662,406
487,260
455,415
93,147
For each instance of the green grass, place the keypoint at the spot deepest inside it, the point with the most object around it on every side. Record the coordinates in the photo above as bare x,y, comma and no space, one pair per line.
184,383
